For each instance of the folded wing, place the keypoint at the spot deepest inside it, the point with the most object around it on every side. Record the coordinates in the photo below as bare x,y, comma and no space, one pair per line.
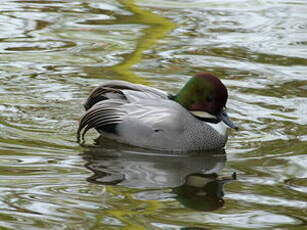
122,90
116,102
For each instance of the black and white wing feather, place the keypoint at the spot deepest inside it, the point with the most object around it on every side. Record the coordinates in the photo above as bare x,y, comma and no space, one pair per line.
122,90
105,104
102,114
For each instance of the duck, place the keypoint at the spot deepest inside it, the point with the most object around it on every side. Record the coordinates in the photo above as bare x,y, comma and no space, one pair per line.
194,119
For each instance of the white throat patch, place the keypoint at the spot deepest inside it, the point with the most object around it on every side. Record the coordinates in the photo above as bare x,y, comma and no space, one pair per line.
203,114
220,127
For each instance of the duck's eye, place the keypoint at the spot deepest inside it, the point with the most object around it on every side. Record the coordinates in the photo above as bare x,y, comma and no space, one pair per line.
210,98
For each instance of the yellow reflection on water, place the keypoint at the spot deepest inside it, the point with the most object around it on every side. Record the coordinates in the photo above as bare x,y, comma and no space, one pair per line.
158,28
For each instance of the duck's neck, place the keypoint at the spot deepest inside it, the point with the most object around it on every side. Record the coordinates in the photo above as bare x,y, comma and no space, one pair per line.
184,97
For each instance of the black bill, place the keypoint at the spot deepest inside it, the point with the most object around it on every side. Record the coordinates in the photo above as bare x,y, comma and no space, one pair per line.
222,116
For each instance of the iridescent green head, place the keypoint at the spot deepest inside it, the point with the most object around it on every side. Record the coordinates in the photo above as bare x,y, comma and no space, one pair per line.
205,96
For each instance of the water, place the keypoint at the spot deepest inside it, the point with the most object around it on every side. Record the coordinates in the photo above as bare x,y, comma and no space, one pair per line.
54,52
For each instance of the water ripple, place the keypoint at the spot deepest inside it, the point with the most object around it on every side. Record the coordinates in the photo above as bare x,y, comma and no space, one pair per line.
54,52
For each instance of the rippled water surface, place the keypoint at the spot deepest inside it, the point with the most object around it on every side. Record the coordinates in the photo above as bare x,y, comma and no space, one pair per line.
54,52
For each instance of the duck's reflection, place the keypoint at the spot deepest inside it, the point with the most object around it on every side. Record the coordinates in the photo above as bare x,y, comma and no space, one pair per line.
193,178
202,191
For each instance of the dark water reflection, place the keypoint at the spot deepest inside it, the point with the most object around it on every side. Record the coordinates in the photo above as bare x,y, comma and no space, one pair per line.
148,169
52,53
192,179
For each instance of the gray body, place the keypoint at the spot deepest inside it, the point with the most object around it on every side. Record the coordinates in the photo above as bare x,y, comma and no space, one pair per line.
146,117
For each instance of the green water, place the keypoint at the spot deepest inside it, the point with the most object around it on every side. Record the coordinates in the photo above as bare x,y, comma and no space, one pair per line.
54,52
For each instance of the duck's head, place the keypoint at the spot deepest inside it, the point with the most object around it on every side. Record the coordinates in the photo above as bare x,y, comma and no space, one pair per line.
205,96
